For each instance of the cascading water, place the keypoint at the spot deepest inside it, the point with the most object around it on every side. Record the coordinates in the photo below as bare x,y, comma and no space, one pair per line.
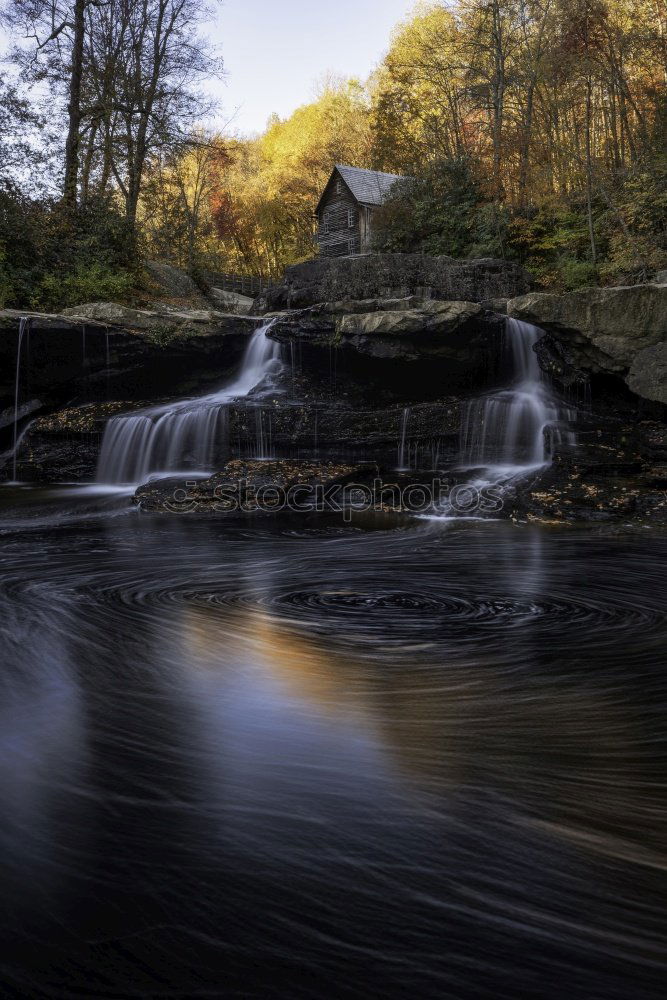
509,432
405,419
184,435
263,429
24,324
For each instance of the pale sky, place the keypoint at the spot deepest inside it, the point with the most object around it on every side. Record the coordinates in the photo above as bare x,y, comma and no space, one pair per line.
275,51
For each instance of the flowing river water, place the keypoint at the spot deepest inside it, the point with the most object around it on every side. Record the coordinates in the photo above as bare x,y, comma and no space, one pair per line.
304,759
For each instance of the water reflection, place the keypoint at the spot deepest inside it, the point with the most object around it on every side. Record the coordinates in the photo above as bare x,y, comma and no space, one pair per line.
296,762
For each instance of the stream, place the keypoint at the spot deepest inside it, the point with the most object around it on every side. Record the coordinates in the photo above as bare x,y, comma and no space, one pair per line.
310,757
299,758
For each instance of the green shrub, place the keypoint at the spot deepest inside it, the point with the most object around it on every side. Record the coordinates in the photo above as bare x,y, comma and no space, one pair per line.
5,284
435,213
573,274
53,260
84,284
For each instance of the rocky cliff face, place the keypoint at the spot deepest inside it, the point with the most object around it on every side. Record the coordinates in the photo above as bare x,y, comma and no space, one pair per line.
390,276
369,379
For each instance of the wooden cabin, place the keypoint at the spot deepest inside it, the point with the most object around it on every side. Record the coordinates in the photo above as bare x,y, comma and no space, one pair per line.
345,211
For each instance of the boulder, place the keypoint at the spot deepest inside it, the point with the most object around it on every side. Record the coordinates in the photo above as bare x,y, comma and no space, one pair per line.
606,327
648,373
177,283
231,301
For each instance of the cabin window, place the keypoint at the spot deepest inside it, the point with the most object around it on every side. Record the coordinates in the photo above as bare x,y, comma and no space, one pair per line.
350,218
325,222
339,187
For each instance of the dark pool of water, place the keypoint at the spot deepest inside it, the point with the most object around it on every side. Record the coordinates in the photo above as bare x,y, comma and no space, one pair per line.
304,760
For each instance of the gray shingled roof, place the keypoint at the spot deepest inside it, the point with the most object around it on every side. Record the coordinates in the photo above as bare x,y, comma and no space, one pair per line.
368,186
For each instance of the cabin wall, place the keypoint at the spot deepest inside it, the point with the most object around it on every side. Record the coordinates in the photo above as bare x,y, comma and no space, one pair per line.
339,222
365,227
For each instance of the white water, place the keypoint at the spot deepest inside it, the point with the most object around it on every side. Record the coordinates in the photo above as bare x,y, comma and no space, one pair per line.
402,467
512,431
23,326
263,435
185,435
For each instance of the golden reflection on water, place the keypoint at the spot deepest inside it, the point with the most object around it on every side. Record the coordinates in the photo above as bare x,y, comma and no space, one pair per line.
562,752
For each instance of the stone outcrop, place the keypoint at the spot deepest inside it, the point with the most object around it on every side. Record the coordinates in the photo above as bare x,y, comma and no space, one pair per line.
231,302
622,331
10,318
605,327
162,320
396,276
408,329
430,318
648,373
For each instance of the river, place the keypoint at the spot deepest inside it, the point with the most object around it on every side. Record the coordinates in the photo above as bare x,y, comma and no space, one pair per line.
309,759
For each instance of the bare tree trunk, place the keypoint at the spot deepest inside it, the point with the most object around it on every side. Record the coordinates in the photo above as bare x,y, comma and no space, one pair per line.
74,110
498,97
525,146
589,170
88,162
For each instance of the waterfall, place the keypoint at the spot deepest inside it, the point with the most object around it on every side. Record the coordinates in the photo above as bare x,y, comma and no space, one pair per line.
512,431
24,324
402,467
263,449
187,435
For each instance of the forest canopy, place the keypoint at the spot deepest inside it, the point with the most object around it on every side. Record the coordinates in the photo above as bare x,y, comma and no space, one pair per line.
529,130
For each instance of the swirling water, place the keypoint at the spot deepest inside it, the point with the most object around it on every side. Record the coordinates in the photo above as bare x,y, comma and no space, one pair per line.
309,760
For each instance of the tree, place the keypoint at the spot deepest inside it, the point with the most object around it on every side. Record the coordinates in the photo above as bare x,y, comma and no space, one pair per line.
176,206
56,30
130,72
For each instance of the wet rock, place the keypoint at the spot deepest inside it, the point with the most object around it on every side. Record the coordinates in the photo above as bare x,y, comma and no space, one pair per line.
559,361
66,443
582,496
251,487
71,358
616,474
9,415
